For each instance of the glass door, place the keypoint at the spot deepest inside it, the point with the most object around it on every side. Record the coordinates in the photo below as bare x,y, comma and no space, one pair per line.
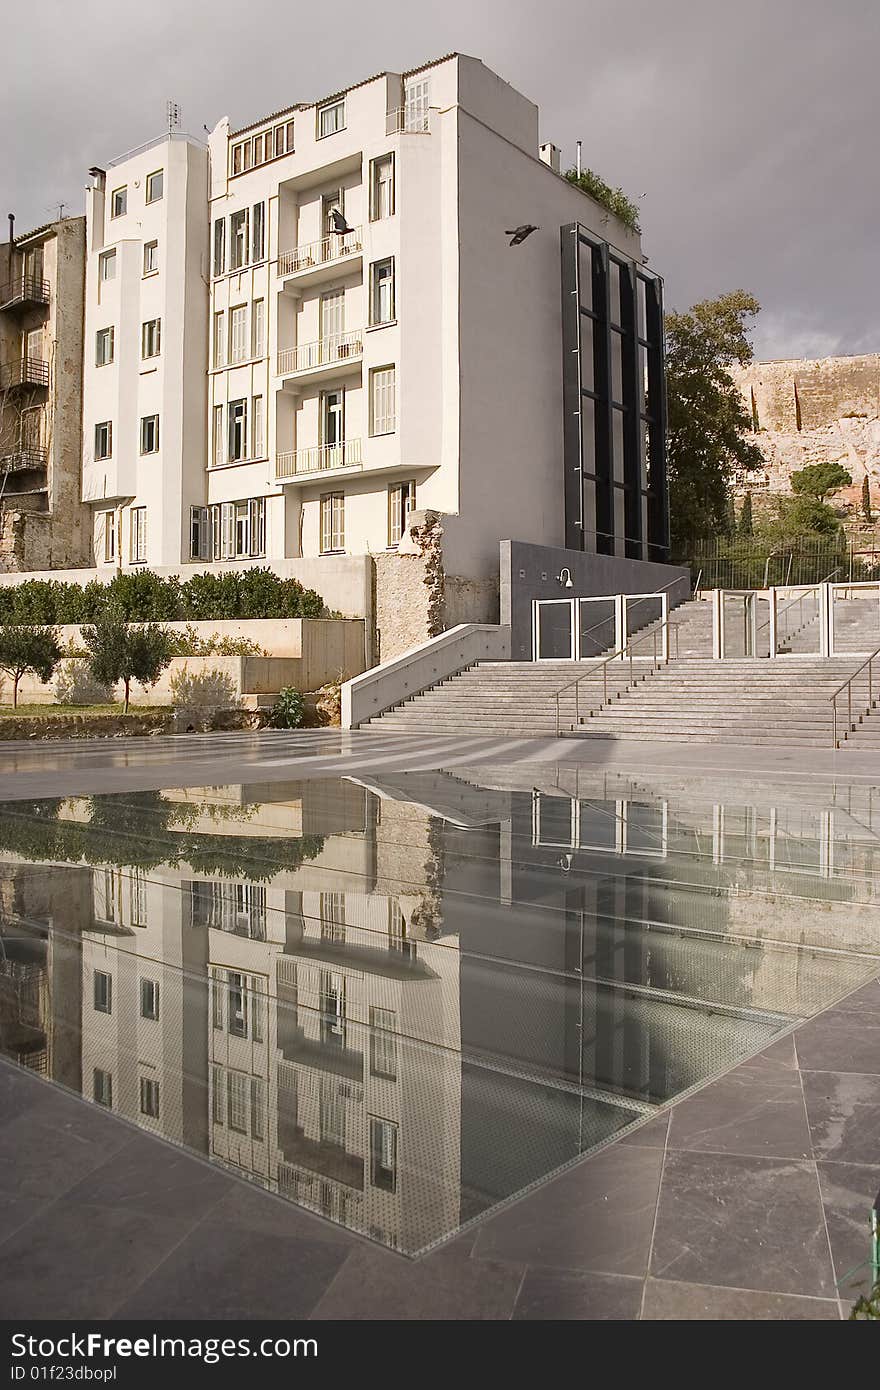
554,637
333,424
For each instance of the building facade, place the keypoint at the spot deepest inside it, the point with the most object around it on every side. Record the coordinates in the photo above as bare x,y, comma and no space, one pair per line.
42,523
376,353
143,437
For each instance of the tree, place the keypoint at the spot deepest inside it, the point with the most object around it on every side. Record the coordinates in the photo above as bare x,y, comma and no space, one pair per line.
119,652
867,513
745,516
708,420
28,649
818,479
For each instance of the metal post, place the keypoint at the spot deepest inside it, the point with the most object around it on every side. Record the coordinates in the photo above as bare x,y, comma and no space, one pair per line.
774,641
717,624
664,629
825,620
620,639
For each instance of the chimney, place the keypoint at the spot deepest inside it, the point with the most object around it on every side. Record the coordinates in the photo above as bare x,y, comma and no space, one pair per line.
11,228
551,155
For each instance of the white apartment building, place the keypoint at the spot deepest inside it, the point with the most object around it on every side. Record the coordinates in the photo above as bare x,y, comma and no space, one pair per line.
145,352
373,344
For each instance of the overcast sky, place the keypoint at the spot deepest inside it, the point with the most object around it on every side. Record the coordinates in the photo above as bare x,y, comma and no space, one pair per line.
747,130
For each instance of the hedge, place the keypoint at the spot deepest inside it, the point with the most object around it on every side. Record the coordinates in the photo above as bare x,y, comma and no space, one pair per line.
144,597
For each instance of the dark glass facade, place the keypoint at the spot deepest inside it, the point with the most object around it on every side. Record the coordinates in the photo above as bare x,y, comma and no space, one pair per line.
614,401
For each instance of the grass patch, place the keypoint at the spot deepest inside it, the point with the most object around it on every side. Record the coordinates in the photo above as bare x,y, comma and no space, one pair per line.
59,711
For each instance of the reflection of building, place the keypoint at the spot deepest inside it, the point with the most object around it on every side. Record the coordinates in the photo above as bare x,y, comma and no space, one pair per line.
401,1003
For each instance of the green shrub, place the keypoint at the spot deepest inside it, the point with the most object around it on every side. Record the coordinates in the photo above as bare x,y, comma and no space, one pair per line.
288,710
75,685
143,596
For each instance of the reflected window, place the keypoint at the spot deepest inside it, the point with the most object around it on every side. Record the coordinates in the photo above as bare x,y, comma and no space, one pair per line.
150,999
218,1105
332,1112
238,1098
332,1008
383,1155
397,937
332,910
103,992
238,1005
149,1097
103,1088
383,1043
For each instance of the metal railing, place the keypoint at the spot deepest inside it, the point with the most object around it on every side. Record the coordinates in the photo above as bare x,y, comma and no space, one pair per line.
402,118
657,660
867,664
319,459
23,457
333,247
336,347
24,289
27,371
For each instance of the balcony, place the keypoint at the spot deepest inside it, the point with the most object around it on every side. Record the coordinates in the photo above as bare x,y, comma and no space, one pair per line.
406,121
22,458
27,371
317,261
327,357
24,292
319,460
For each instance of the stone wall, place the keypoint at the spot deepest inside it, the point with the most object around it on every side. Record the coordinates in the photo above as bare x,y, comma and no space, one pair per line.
822,411
416,599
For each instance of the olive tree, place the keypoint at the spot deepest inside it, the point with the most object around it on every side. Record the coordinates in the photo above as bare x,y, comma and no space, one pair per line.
25,649
118,651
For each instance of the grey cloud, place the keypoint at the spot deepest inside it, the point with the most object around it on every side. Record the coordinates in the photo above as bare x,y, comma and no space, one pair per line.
749,129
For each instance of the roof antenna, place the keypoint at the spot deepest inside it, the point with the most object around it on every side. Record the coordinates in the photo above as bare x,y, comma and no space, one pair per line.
172,115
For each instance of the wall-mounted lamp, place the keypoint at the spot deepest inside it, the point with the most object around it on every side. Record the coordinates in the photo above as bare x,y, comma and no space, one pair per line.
564,578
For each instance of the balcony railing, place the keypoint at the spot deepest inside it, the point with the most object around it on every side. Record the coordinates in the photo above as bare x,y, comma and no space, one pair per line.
24,290
22,457
404,119
336,347
319,459
27,371
334,247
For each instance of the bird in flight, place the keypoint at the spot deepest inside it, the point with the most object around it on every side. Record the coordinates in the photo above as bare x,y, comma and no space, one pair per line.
339,223
518,234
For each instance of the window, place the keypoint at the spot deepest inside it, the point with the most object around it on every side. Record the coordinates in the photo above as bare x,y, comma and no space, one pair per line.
333,422
150,999
383,1154
138,535
200,533
219,352
155,186
258,149
104,342
119,202
217,999
381,187
237,1114
332,522
149,434
217,446
382,291
382,400
107,266
289,129
258,328
151,257
383,1044
151,338
257,437
219,261
237,441
401,501
238,239
149,1097
416,95
258,1105
238,339
102,1085
103,992
331,118
109,522
259,242
332,913
104,440
237,158
218,1098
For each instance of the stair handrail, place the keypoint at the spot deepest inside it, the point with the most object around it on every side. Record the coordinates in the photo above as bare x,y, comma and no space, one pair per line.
618,656
847,686
604,621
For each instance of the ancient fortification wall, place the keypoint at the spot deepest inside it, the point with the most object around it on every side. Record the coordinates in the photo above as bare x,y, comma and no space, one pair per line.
815,411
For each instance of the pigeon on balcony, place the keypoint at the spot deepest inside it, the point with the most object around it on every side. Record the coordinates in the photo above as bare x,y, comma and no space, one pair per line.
339,223
518,234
